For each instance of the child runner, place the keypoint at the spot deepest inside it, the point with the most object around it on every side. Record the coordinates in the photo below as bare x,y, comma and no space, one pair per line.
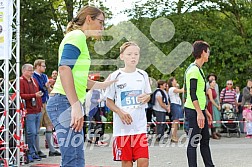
127,98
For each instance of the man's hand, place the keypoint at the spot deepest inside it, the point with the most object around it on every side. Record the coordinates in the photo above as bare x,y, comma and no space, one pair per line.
47,85
77,117
125,117
143,98
200,119
39,94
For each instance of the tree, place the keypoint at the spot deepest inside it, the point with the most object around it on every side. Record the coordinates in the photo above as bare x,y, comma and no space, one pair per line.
43,23
226,25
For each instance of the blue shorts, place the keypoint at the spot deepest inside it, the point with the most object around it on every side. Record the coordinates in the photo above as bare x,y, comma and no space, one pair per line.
176,111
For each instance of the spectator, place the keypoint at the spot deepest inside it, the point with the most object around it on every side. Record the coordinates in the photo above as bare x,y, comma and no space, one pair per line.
87,106
149,112
169,126
176,108
247,115
228,95
161,107
247,93
240,108
29,91
212,76
95,115
214,108
44,87
53,78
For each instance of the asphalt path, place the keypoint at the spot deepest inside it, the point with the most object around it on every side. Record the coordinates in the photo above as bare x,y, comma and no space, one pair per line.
226,152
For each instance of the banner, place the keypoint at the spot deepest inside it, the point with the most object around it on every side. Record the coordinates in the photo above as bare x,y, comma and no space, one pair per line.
6,14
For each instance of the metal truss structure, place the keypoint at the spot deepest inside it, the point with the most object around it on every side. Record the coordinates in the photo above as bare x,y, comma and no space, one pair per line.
10,116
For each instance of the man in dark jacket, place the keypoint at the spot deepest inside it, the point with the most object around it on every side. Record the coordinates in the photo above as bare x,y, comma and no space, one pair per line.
29,91
44,86
247,93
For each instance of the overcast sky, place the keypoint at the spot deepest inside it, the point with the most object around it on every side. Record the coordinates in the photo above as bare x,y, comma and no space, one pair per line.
116,6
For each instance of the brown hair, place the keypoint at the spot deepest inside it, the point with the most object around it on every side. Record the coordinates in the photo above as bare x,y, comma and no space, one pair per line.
170,81
160,82
80,19
127,44
210,81
198,48
38,62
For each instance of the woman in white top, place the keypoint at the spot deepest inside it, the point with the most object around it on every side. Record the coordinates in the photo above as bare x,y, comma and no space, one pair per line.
176,108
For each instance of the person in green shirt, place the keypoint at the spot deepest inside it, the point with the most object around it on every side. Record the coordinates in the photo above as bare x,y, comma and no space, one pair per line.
64,106
195,106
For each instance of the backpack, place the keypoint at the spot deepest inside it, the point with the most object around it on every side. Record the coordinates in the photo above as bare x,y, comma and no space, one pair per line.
152,101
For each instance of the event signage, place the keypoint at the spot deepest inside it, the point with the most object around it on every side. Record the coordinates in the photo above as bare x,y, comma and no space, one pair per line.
6,14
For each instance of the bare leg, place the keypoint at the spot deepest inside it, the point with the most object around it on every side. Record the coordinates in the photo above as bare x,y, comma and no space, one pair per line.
175,130
127,164
143,162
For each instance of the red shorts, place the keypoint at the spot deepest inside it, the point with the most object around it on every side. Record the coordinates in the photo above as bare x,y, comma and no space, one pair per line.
130,148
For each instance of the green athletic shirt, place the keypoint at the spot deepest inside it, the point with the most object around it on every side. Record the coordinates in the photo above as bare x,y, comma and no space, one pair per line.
194,73
80,68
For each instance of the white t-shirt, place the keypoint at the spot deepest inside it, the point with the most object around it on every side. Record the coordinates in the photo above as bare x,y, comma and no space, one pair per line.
157,106
174,97
125,92
88,101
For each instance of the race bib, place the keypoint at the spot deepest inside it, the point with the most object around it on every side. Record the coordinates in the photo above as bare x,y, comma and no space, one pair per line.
129,98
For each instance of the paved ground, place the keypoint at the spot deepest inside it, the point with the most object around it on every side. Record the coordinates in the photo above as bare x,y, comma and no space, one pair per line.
227,152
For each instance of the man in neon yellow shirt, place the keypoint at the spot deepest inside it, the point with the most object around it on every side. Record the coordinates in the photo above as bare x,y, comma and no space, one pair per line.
195,106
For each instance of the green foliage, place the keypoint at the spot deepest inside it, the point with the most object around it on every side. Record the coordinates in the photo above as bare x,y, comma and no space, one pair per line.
42,27
225,25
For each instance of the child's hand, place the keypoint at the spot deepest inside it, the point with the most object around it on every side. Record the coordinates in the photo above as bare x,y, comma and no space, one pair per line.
125,117
143,98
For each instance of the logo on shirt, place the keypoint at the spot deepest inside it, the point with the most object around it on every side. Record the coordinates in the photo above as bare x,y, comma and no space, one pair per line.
139,80
121,86
118,153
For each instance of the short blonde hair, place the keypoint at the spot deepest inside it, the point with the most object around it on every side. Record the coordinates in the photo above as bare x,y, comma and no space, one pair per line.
38,62
127,44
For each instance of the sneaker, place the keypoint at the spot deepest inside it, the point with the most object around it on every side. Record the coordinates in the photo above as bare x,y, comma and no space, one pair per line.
90,141
101,143
30,159
41,154
248,136
36,157
56,153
